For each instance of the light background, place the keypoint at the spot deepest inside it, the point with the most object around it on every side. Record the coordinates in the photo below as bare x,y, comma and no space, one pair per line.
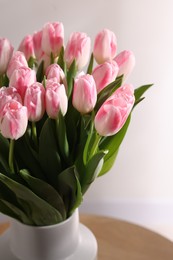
139,187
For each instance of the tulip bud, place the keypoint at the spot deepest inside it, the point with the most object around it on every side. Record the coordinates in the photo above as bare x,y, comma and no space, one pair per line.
6,51
105,46
52,38
17,61
35,101
55,72
78,48
21,79
7,94
126,63
37,41
104,74
14,120
56,99
84,94
114,112
27,47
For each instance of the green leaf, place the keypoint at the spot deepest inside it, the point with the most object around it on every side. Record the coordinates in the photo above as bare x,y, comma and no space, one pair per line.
31,62
62,136
37,210
40,72
93,168
140,91
70,77
90,66
61,62
68,188
79,196
107,92
111,144
26,157
49,152
44,191
12,211
4,153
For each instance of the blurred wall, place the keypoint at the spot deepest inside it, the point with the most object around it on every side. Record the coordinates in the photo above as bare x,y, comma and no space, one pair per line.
139,187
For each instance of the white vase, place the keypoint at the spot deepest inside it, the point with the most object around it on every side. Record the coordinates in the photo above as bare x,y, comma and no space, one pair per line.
69,240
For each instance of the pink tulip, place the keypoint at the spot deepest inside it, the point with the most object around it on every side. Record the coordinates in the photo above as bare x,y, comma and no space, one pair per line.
84,94
114,112
56,99
35,101
27,47
55,72
6,51
78,48
37,42
7,94
18,60
126,63
21,79
105,46
14,120
46,61
52,38
104,74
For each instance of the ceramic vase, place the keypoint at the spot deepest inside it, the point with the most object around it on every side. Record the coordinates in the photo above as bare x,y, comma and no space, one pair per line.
68,240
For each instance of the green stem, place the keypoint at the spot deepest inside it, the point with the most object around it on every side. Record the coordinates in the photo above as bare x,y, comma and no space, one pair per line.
11,155
1,81
34,134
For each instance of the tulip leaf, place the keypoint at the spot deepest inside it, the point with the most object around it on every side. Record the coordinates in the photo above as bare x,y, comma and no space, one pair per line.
111,144
140,91
108,91
4,151
61,61
40,72
68,188
44,191
93,168
37,210
49,152
71,73
61,136
90,66
26,157
12,211
79,196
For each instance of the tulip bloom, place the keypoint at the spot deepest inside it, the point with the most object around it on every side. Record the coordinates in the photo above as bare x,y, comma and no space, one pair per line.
14,120
105,46
78,49
126,63
6,51
114,112
55,72
84,94
52,38
21,79
35,101
56,99
104,74
17,61
7,94
37,42
27,47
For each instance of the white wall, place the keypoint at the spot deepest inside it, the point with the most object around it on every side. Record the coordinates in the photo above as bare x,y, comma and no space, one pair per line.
142,178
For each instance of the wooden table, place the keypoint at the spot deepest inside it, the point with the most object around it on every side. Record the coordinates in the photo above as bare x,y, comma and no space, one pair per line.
120,240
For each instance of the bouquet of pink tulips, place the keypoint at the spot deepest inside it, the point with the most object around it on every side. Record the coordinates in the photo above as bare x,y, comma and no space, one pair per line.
60,127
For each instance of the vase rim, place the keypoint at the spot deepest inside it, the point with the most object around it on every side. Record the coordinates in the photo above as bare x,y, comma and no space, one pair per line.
47,226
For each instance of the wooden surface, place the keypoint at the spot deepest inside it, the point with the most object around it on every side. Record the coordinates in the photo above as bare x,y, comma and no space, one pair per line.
119,240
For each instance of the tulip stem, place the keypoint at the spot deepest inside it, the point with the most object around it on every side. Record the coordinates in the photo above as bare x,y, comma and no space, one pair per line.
11,155
34,134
